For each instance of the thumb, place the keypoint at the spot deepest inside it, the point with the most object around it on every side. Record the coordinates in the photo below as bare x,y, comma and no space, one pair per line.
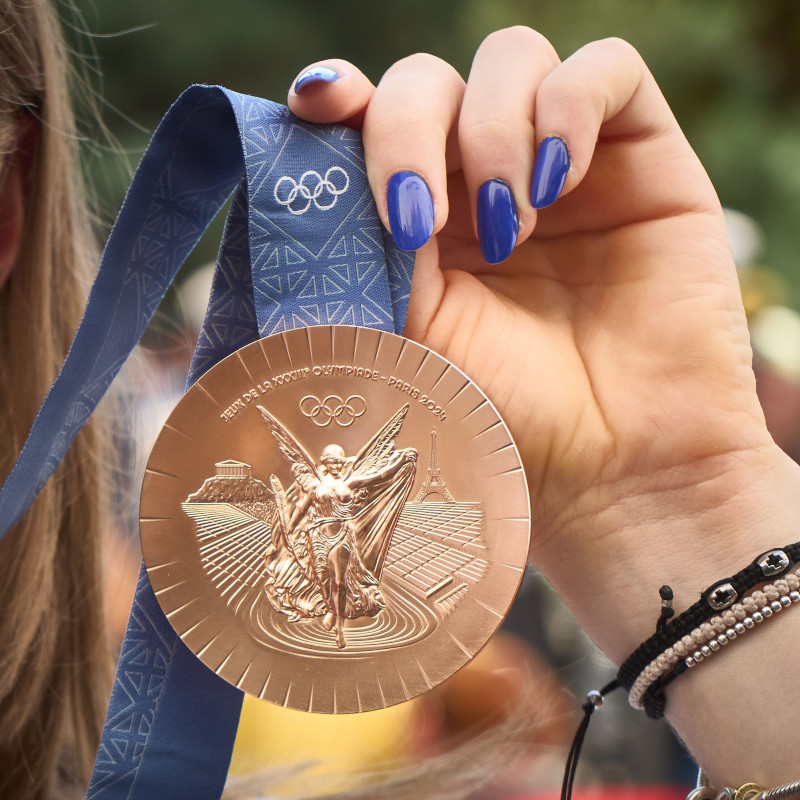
331,91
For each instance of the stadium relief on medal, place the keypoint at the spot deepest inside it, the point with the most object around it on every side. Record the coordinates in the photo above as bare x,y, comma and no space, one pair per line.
318,550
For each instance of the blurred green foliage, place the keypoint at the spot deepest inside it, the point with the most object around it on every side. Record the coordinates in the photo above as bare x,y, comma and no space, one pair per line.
729,68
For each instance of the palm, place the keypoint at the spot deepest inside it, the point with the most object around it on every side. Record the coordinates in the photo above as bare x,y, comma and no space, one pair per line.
610,335
613,340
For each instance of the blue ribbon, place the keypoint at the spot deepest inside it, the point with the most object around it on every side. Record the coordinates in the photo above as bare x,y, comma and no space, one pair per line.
303,245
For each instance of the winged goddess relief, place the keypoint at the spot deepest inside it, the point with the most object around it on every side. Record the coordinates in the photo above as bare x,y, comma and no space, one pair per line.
335,523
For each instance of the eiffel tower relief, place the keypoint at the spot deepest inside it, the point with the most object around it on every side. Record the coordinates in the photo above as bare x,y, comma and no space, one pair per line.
434,482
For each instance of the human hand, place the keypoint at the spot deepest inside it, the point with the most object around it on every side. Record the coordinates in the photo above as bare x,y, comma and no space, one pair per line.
612,338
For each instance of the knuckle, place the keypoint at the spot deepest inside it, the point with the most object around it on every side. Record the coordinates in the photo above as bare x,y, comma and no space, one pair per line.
421,62
520,37
403,125
566,92
615,47
493,134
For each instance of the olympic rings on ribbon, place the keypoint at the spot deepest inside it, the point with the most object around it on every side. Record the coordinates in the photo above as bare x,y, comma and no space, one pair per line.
333,409
310,189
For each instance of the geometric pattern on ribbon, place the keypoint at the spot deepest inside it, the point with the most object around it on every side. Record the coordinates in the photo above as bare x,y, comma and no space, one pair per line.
170,232
230,321
150,641
142,668
400,266
317,245
147,245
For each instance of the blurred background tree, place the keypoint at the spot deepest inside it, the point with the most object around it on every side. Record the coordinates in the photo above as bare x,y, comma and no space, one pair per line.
730,70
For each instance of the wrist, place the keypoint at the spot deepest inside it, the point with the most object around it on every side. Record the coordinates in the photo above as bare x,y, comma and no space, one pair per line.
699,527
713,529
748,689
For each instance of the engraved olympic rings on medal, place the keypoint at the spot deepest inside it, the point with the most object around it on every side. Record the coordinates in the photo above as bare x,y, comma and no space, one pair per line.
298,196
333,409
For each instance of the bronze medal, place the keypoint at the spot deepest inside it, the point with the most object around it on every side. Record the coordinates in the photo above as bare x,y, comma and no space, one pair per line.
335,519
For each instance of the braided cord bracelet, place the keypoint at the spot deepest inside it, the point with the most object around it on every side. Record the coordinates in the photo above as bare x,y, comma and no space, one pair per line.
718,597
676,646
710,636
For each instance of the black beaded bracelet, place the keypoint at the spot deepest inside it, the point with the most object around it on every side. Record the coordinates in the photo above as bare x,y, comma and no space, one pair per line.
715,599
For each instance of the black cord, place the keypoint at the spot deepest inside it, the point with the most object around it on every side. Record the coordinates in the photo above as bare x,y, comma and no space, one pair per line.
593,700
667,611
667,634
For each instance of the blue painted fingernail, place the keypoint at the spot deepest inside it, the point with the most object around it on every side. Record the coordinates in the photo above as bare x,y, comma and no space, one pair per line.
410,206
315,75
498,223
549,172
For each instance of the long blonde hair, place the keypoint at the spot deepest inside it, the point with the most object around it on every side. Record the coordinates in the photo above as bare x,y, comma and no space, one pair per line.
54,662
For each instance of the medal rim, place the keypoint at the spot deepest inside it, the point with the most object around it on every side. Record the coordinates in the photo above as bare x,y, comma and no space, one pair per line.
358,662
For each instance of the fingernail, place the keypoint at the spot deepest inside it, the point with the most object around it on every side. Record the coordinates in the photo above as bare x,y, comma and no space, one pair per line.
498,223
549,172
410,208
315,75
